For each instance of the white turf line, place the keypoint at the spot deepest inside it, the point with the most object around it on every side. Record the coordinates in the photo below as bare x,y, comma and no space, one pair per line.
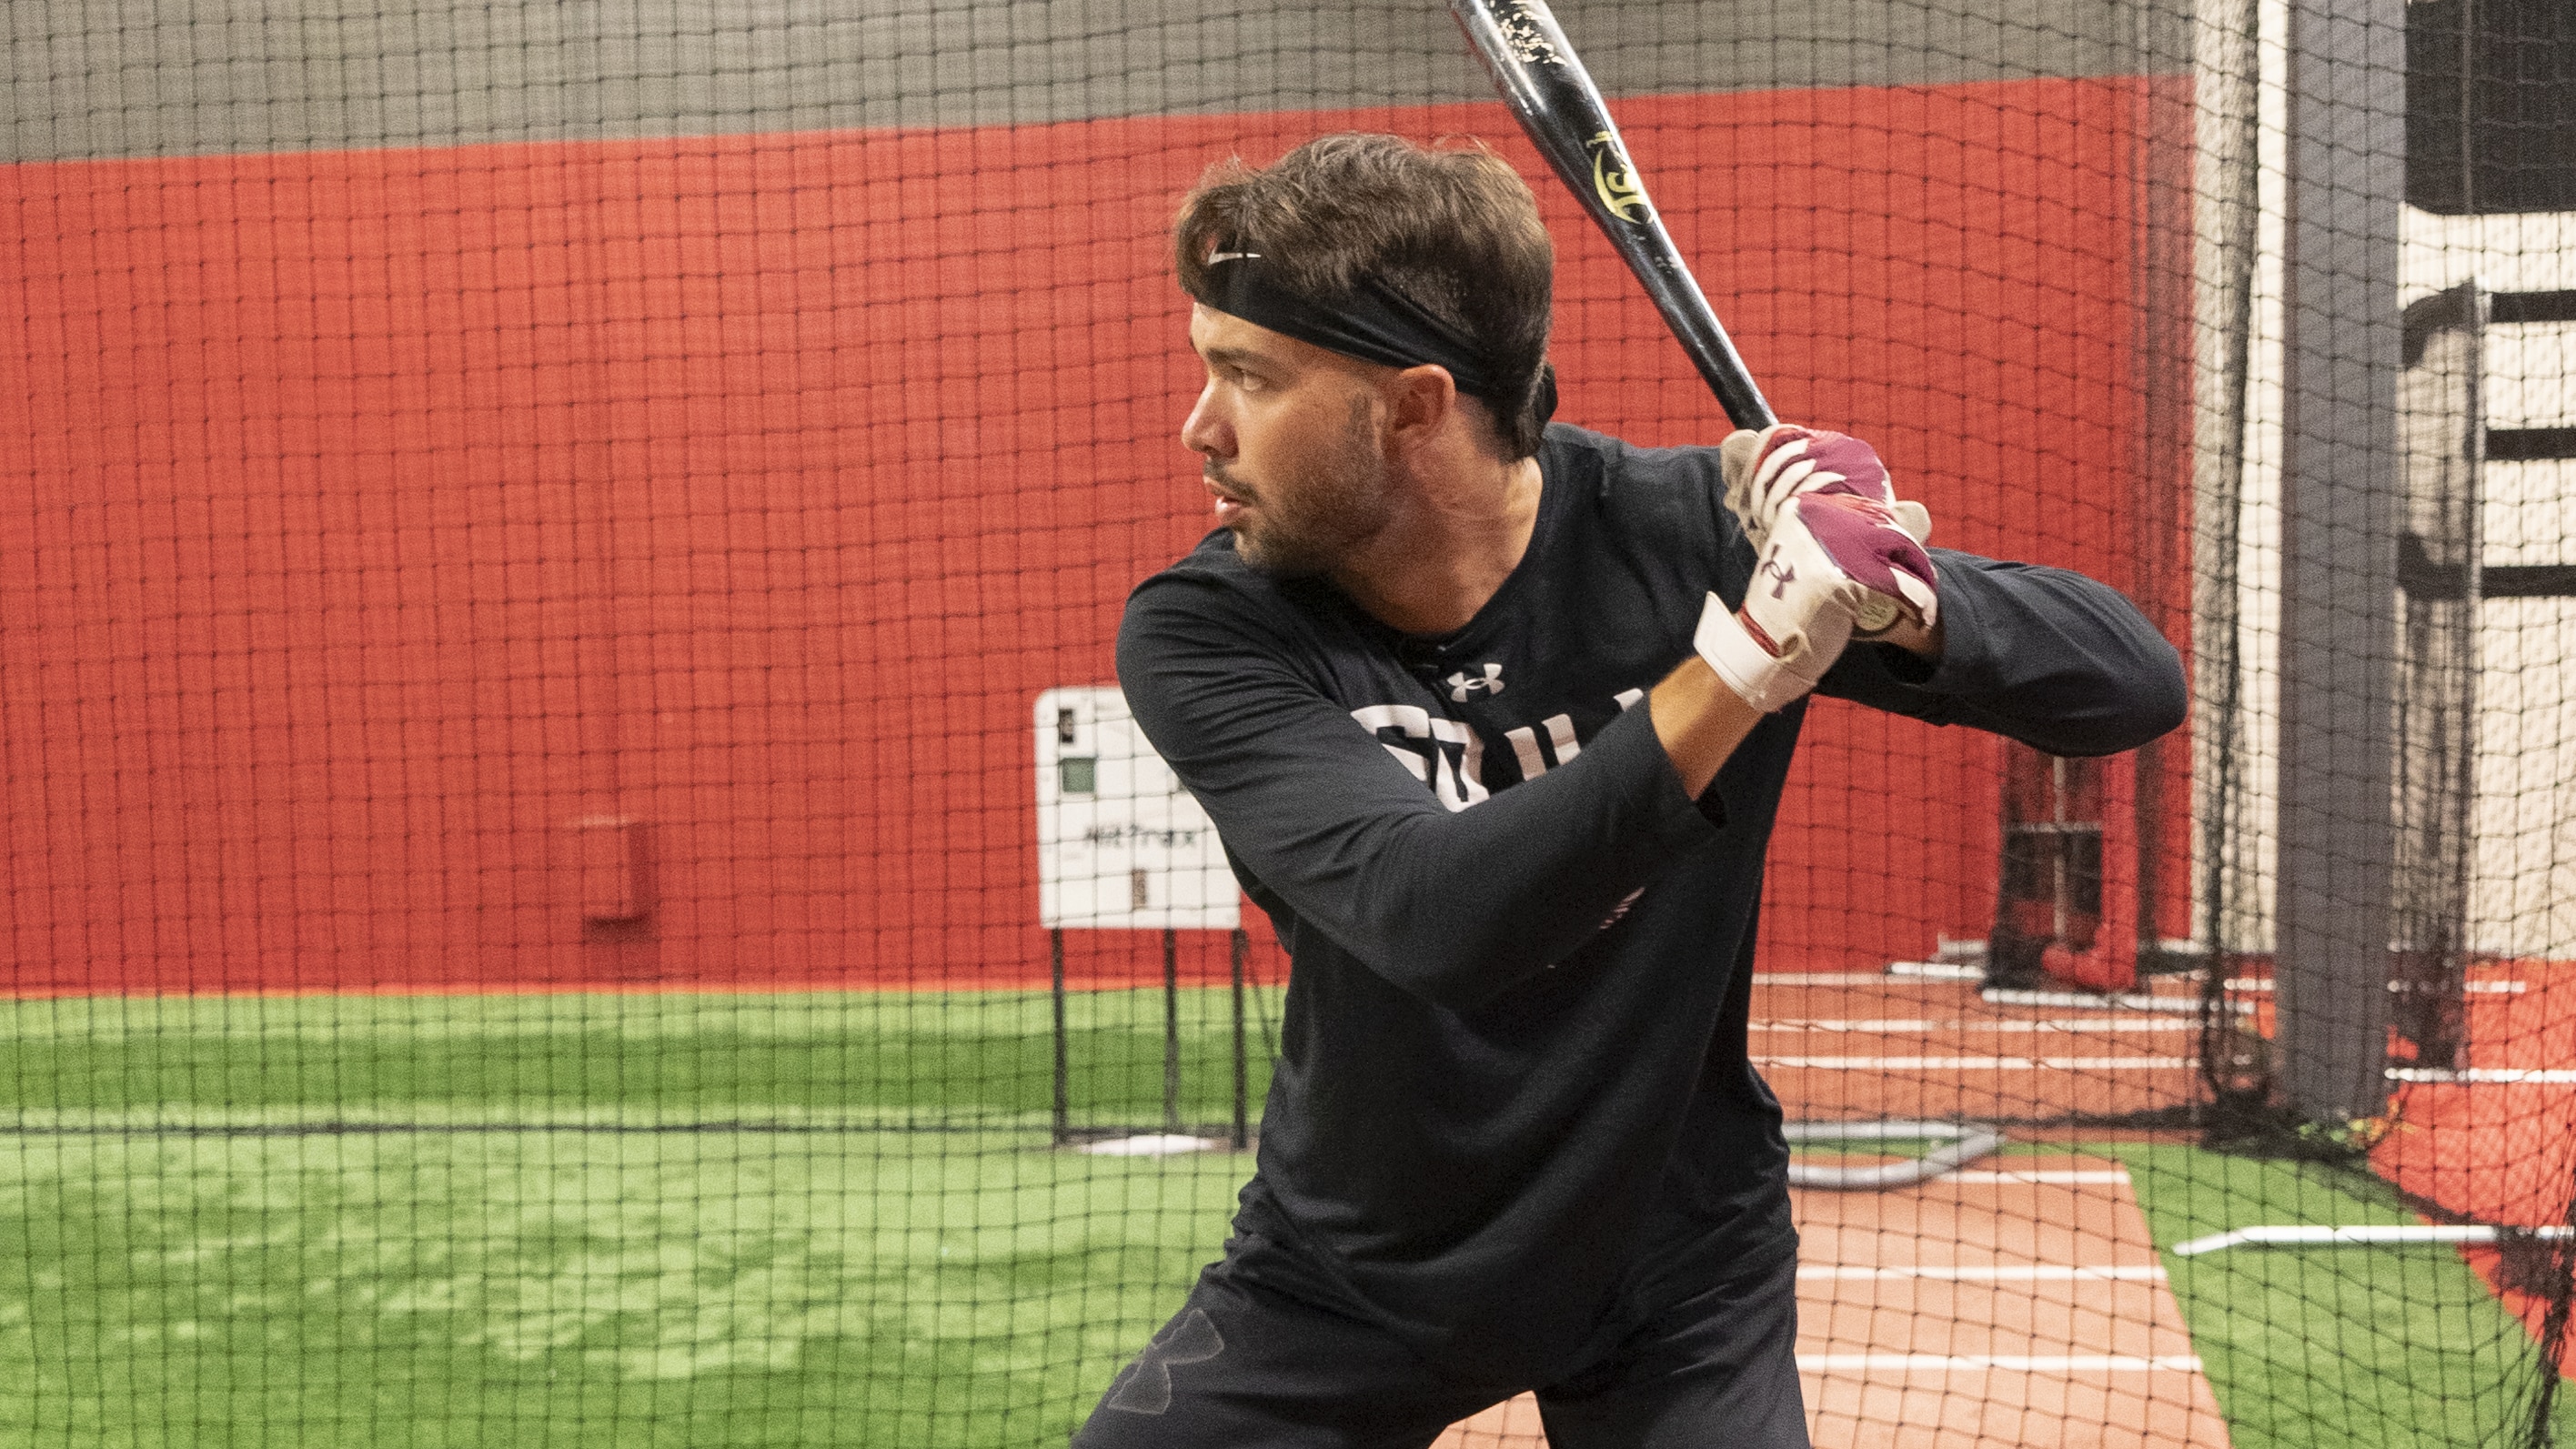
2504,1076
1938,970
1971,1064
1997,1273
2467,988
2471,1076
2072,1363
2109,1177
1894,1026
2303,1235
2129,1001
2003,996
1153,1144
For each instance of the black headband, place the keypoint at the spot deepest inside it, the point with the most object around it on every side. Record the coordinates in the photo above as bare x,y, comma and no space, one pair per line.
1378,324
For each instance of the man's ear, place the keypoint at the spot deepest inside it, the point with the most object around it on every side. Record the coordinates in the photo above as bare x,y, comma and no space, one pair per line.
1420,402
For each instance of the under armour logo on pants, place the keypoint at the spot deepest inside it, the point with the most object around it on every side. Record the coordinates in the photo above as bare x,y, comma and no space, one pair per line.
1146,1385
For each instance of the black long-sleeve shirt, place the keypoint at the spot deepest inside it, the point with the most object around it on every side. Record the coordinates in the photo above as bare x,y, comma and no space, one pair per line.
1514,1105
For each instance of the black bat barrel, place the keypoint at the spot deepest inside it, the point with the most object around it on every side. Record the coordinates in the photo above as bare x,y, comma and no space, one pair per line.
1561,111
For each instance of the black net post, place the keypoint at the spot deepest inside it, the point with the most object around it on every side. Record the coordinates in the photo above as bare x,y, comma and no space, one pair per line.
1237,944
1063,1119
1171,1031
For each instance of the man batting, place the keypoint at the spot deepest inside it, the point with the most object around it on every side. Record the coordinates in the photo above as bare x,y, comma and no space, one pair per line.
1493,717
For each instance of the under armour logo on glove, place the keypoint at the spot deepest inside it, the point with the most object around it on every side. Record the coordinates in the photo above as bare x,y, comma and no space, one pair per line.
1464,686
1145,1386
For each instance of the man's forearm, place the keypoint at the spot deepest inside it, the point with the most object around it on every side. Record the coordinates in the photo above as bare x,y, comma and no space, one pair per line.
1700,720
2050,658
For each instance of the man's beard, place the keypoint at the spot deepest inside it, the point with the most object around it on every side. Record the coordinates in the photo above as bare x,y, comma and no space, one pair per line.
1310,527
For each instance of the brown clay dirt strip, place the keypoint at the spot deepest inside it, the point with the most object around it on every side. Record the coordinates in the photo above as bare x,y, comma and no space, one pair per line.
1945,1316
1958,1313
1881,1048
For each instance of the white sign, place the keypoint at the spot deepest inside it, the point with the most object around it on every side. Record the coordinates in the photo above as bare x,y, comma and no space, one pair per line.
1121,845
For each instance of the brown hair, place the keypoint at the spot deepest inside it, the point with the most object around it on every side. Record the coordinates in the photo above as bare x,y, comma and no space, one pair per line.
1455,231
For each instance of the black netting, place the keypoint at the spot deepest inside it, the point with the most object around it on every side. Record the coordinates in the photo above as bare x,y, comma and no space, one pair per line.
576,871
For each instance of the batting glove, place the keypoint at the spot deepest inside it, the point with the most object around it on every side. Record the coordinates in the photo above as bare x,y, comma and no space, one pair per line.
1768,471
1797,616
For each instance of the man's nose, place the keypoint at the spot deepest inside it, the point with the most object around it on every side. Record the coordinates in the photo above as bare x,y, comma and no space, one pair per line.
1203,431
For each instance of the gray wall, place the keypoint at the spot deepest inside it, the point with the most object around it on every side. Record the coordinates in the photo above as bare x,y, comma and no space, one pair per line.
102,78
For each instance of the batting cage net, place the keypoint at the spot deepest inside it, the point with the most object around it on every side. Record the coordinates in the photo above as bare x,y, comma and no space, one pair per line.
577,870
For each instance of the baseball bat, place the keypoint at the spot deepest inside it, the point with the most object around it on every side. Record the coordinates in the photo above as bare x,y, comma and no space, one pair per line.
1560,110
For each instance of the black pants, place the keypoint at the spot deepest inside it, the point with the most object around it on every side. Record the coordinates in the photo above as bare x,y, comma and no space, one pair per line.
1242,1366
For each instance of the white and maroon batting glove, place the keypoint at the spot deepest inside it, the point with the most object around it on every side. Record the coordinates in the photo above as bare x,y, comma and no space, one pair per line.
1869,547
1829,559
1770,470
1797,616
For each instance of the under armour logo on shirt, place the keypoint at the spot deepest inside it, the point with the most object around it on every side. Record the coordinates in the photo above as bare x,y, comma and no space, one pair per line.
1464,686
1145,1387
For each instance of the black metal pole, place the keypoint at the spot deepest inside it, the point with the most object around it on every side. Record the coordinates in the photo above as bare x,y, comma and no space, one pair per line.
1063,1087
1171,1032
1242,1077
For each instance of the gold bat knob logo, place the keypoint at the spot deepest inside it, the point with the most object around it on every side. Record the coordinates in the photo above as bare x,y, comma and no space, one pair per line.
1614,182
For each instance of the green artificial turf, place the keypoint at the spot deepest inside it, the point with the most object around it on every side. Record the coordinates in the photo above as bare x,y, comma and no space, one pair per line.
589,1288
538,1220
885,1058
2319,1348
822,1219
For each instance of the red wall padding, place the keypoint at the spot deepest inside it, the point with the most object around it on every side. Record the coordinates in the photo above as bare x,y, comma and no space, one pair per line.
371,515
